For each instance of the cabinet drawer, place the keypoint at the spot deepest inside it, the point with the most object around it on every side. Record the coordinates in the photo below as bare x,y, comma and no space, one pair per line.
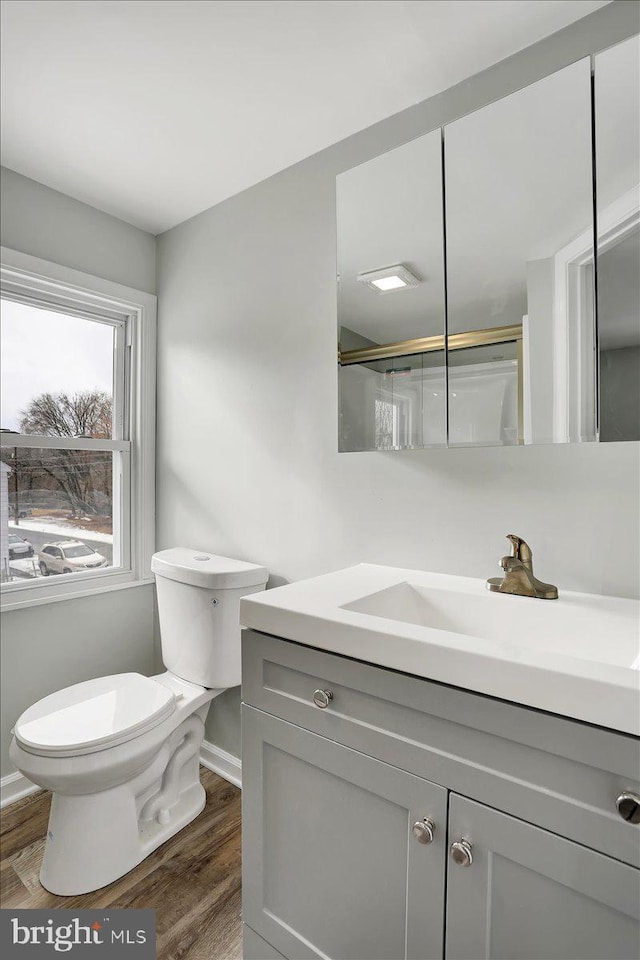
557,773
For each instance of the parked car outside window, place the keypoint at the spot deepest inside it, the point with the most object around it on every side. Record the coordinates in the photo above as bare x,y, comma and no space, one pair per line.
19,549
69,556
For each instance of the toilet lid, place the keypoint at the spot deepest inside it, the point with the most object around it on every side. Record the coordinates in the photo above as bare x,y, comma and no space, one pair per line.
94,714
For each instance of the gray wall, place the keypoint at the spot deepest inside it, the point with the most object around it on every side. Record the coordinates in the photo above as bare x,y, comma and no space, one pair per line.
44,223
48,647
247,399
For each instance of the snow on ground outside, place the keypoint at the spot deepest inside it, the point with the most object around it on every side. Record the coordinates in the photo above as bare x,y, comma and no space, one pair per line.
59,528
27,568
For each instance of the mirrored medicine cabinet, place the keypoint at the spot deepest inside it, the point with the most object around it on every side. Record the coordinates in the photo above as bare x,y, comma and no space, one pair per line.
471,307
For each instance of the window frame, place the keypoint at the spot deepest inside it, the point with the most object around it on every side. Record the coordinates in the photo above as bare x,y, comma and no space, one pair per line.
134,314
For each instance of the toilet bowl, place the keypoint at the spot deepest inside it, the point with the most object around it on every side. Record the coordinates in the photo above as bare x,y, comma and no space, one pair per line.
120,754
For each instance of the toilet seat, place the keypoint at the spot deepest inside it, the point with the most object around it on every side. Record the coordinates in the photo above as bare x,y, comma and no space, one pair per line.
94,715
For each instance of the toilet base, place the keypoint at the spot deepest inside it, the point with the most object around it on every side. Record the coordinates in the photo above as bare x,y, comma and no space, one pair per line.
68,869
94,839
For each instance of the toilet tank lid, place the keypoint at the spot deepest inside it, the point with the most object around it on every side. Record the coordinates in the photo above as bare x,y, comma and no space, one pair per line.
202,569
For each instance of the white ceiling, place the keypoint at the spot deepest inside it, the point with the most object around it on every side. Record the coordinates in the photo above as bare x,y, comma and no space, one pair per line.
154,111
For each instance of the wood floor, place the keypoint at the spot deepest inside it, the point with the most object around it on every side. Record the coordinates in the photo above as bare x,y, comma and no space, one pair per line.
192,881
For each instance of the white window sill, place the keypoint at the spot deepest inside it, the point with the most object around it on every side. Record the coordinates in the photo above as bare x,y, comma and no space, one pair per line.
19,600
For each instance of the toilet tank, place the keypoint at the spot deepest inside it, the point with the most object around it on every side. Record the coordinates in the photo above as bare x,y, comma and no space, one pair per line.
198,605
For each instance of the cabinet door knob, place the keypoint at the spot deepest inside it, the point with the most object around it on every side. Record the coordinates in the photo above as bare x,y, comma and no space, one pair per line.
628,805
461,852
424,830
322,698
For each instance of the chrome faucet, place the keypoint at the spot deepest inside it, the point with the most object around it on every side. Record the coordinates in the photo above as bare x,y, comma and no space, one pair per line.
518,574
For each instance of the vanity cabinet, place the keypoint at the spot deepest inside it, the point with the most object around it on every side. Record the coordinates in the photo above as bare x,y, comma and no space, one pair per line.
349,768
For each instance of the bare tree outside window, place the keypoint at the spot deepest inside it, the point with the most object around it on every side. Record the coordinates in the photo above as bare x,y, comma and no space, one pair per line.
83,479
83,414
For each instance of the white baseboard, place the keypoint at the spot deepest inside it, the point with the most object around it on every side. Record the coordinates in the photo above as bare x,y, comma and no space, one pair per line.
14,787
224,764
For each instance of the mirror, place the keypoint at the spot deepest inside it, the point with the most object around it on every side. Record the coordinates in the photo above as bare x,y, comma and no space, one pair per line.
522,349
519,216
617,116
392,373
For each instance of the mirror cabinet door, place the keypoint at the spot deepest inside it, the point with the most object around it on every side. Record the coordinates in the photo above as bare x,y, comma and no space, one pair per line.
617,116
392,375
520,275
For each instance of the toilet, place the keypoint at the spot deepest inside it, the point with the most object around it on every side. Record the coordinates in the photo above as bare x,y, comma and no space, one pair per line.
120,754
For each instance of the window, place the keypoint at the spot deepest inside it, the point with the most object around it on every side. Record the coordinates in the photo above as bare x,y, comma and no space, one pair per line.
77,413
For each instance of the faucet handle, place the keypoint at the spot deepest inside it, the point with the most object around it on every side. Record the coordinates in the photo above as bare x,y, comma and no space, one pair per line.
520,549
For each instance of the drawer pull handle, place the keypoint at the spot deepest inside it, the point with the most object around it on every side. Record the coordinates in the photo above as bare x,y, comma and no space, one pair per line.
424,830
461,852
322,698
628,805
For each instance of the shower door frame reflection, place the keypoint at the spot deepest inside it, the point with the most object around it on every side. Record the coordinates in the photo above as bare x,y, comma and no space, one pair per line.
446,343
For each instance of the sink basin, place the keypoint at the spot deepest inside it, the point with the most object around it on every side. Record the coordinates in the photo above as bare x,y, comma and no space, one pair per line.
578,656
578,627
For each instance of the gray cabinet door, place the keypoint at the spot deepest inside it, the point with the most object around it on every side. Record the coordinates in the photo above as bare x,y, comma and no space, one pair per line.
531,895
331,868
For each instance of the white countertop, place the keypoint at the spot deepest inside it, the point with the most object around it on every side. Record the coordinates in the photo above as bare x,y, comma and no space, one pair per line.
578,656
